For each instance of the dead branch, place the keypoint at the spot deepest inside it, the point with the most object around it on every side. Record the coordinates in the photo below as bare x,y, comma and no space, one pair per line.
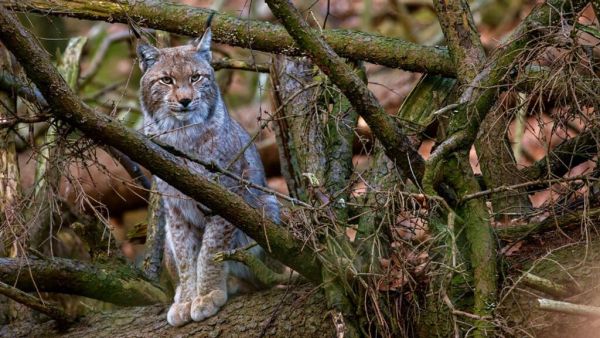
19,296
553,222
565,156
569,308
226,63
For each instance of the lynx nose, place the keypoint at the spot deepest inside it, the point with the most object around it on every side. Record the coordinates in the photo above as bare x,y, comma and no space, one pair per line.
185,102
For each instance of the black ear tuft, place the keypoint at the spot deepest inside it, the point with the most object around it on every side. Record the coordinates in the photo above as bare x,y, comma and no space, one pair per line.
203,46
148,56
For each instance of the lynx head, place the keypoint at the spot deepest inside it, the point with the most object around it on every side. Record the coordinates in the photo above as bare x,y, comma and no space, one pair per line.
178,83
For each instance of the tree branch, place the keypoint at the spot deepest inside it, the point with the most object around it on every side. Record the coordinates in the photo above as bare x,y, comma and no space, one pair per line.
553,222
481,94
569,308
545,285
119,285
385,128
19,296
257,35
296,312
461,36
565,156
65,105
155,235
226,63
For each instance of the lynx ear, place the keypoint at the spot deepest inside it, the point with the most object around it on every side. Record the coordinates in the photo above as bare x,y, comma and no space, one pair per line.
148,56
203,46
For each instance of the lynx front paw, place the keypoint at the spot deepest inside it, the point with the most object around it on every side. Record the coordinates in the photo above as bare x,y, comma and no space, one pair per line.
208,305
179,314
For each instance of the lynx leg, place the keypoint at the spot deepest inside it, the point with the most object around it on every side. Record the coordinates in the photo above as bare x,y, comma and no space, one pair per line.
212,276
184,241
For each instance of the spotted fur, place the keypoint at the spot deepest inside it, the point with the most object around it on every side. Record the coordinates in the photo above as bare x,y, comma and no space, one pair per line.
183,107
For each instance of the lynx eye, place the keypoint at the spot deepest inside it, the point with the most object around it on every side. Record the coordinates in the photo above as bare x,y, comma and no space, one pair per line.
195,78
166,80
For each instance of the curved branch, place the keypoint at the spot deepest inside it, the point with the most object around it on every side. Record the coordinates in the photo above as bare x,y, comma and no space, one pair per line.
257,35
397,145
65,105
120,285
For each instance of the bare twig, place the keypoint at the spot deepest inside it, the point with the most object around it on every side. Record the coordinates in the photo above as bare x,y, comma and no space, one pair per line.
51,311
569,308
527,184
101,54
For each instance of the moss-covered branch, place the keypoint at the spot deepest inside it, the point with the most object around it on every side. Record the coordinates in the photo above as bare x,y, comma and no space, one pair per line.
388,132
65,105
257,35
117,284
462,37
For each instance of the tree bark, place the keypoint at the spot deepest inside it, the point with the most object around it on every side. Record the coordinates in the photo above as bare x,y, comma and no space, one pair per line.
256,35
298,312
117,284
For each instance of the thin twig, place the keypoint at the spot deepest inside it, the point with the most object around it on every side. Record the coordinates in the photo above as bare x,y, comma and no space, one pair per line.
526,184
100,55
133,169
21,297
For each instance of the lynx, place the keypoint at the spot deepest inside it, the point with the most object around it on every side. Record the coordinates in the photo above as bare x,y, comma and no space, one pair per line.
183,107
